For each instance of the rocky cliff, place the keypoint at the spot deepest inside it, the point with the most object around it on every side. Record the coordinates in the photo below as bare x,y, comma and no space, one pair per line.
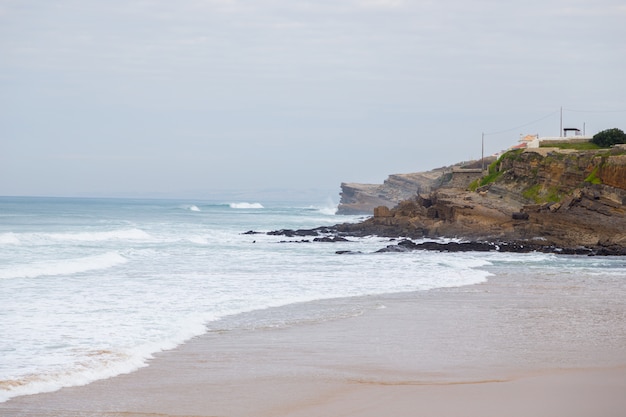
359,198
362,198
549,196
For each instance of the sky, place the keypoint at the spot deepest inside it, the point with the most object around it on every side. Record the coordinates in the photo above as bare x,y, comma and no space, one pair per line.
202,98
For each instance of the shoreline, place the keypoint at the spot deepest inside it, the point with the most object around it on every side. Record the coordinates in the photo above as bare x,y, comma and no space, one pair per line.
515,345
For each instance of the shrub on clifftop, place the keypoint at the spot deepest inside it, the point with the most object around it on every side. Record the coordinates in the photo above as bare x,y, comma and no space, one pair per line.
609,137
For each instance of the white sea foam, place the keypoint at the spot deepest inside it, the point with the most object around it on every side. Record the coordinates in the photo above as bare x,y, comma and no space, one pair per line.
62,267
93,365
160,281
329,210
246,205
200,240
36,238
121,234
9,239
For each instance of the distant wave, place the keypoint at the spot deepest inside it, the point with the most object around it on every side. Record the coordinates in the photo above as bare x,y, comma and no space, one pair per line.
38,238
191,207
63,267
121,234
327,210
330,211
330,208
246,205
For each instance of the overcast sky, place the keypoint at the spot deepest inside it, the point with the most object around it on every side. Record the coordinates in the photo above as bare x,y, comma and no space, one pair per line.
192,97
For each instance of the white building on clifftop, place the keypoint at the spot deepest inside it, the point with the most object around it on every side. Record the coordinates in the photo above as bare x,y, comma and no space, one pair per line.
534,141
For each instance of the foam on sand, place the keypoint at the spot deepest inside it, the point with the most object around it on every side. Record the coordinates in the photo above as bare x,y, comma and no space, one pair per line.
515,346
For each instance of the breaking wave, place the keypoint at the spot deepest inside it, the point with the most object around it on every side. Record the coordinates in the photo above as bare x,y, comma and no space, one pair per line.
125,234
191,207
63,267
246,205
9,239
329,210
46,238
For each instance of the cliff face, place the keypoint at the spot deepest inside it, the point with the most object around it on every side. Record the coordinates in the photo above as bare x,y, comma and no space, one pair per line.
562,198
613,171
560,171
363,198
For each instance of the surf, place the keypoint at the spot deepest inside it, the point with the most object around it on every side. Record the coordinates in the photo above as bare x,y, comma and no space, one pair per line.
63,266
245,205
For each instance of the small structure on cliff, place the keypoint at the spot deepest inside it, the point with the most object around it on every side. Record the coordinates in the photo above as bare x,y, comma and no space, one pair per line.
575,130
535,141
463,177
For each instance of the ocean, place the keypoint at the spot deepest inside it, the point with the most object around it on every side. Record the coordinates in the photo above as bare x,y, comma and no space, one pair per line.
93,288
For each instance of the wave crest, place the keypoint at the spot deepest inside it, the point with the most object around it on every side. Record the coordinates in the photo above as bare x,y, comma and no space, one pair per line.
329,211
63,267
8,239
125,234
246,205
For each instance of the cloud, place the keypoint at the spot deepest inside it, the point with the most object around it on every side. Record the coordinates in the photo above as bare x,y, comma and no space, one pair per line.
225,81
89,157
385,4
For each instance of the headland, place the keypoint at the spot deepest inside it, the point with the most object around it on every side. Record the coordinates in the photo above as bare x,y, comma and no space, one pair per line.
549,199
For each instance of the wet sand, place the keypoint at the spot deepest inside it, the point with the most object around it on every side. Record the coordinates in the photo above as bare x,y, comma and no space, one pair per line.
532,345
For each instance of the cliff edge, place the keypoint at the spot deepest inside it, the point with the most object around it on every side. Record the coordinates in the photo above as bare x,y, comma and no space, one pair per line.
357,198
547,196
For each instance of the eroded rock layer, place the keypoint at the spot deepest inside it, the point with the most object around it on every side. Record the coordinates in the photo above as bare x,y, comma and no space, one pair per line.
548,196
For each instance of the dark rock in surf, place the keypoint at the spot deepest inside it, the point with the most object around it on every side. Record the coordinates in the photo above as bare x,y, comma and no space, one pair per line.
330,239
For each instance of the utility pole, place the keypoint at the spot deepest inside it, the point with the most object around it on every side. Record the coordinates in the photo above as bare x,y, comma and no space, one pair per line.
561,125
482,152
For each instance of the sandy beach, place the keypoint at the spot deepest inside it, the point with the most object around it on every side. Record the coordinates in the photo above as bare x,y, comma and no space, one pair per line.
532,345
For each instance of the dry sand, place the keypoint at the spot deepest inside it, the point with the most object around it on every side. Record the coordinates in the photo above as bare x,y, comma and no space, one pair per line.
516,346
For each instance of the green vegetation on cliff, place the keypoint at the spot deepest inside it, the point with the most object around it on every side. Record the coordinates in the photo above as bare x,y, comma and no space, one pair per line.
582,146
543,176
494,172
492,176
593,177
568,198
540,194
